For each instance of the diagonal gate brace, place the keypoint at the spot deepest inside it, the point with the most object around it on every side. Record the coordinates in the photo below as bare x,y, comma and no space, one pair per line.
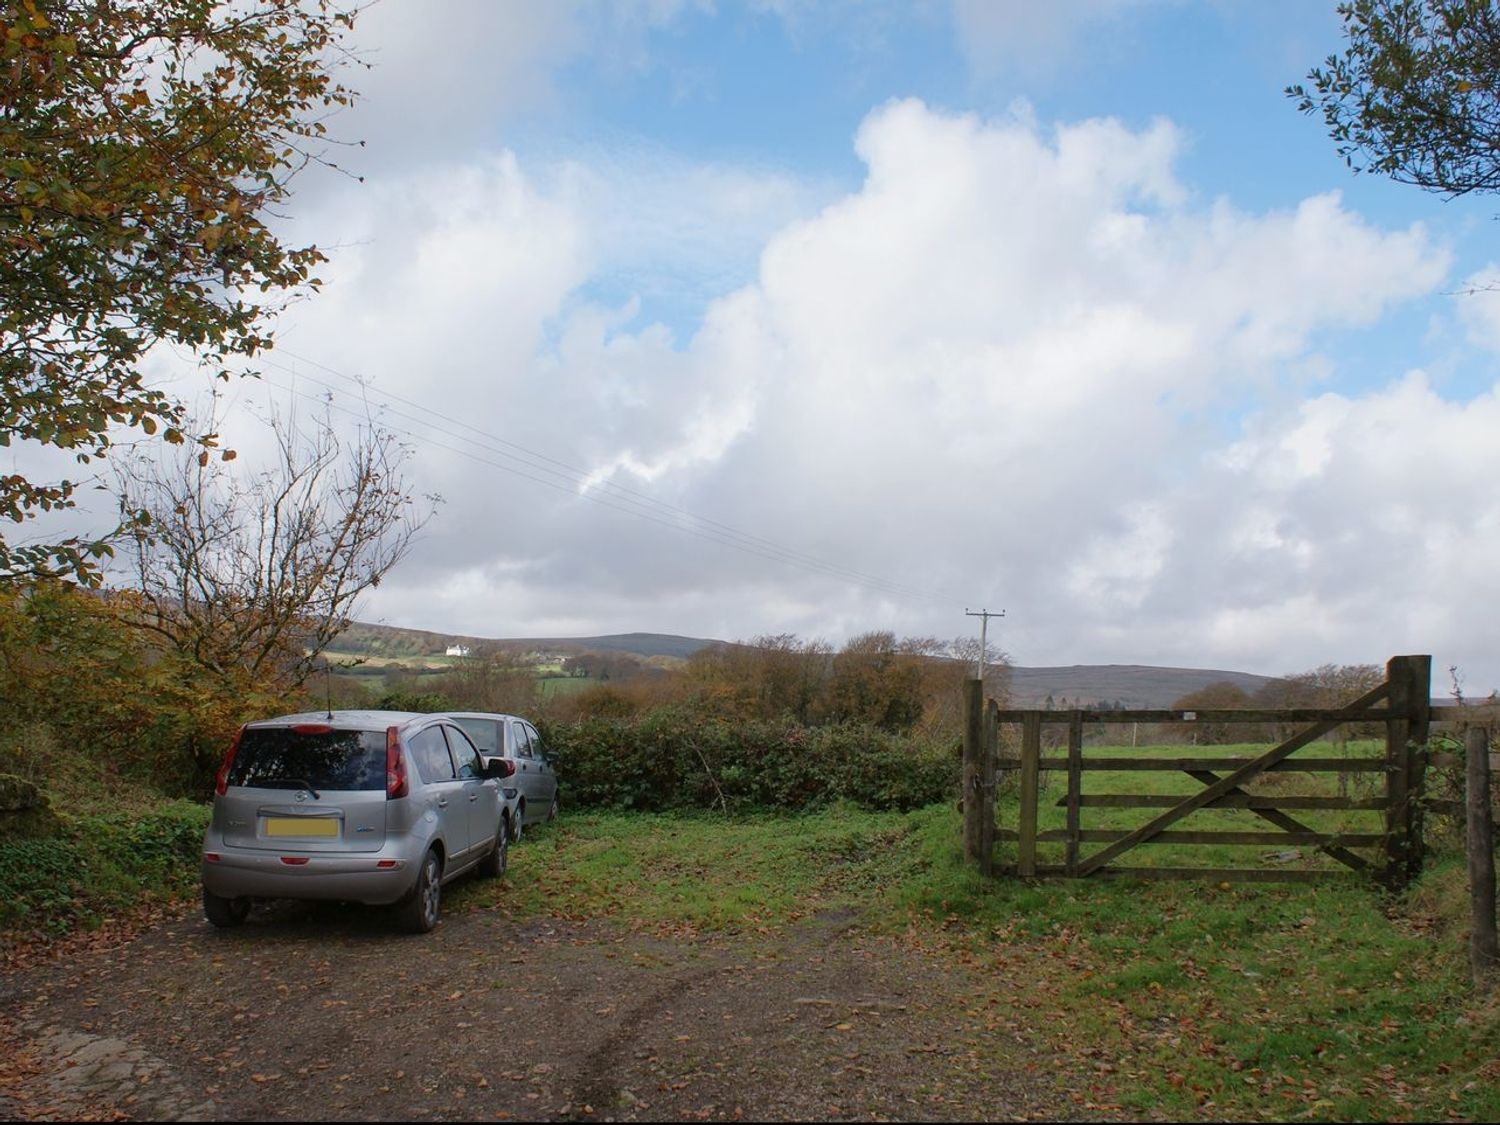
1224,785
1290,824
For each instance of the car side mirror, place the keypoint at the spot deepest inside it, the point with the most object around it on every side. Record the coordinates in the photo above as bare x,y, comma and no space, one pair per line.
499,767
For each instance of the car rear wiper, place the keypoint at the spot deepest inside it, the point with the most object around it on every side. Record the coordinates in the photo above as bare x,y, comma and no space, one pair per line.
300,783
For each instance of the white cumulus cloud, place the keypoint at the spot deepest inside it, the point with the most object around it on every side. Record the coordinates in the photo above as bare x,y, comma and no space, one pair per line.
1002,369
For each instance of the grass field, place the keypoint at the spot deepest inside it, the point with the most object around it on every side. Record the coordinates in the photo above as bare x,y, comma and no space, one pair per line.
1171,1000
549,686
1052,813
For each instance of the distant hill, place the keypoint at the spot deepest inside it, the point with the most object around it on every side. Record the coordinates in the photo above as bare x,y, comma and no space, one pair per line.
364,639
1130,685
641,644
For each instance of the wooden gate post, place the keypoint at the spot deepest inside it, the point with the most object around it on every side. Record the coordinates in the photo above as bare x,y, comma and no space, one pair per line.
1410,699
1479,837
973,775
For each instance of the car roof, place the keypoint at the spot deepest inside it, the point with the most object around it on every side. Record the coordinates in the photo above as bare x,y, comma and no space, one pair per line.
344,720
481,715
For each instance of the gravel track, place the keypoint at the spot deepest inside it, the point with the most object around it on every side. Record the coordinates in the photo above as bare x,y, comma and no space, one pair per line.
324,1013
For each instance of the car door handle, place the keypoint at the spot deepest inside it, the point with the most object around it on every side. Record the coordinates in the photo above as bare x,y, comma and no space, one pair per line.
442,802
473,796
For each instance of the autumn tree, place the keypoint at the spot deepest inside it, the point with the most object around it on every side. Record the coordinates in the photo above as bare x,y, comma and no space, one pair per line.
88,697
788,674
616,667
1328,685
66,663
246,576
773,676
877,681
499,682
945,668
1219,696
143,146
1415,95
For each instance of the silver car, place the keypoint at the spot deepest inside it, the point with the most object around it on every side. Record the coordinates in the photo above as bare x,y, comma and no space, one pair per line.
516,740
377,807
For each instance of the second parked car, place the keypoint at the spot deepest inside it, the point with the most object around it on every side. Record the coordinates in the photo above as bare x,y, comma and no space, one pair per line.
512,737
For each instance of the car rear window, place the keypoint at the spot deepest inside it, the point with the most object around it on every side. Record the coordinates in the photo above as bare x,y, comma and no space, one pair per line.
280,757
482,731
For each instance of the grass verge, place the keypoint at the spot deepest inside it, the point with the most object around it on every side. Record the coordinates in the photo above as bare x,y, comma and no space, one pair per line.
99,865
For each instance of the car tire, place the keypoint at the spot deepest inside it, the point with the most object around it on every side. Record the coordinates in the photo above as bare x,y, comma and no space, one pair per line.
553,810
493,865
420,911
225,913
518,824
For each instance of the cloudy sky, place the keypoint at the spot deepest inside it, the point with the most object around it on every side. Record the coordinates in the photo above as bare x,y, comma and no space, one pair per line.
726,318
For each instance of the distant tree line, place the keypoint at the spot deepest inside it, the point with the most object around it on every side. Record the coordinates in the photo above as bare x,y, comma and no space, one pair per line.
1329,685
895,685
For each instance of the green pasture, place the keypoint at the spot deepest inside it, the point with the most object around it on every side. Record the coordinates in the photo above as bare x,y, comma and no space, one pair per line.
1053,788
548,687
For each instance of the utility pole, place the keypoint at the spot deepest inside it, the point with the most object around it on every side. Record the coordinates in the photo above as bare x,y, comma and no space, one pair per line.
979,761
984,624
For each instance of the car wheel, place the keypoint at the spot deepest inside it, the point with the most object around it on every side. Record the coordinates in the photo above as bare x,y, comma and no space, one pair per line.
225,913
553,810
517,824
493,865
420,911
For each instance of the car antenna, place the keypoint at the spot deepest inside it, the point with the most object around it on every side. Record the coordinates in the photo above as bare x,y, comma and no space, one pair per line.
328,687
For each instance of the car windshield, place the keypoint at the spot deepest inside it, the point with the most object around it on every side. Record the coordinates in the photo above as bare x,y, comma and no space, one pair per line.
482,731
281,757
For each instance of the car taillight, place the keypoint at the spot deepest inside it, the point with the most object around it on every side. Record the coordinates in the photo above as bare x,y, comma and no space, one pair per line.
395,766
221,779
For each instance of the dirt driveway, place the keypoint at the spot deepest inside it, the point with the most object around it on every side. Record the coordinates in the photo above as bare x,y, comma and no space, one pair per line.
319,1013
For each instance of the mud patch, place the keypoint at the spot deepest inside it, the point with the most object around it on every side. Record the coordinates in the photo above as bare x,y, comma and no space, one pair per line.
327,1015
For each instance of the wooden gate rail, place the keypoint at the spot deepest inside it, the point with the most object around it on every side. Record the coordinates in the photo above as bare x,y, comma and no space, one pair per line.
1401,703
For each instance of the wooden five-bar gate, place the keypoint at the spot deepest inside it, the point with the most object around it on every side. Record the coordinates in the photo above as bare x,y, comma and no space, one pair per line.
1393,852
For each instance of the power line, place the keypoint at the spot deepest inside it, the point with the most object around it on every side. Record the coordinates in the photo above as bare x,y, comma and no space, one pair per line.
772,553
579,480
574,482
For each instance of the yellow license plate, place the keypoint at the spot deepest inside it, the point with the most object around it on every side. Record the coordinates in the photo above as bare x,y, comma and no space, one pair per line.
301,826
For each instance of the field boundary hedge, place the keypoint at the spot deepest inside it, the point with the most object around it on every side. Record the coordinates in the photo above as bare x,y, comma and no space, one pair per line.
673,759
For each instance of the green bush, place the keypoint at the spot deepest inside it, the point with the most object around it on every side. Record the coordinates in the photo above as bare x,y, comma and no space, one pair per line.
673,759
99,864
419,701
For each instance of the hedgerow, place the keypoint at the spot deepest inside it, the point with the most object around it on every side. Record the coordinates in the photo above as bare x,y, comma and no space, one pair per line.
100,864
672,758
